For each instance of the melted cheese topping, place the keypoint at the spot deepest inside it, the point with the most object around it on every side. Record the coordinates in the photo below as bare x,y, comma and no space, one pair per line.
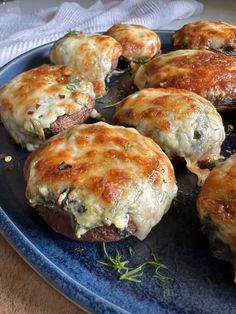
184,124
217,200
33,100
113,173
92,55
205,35
138,42
211,75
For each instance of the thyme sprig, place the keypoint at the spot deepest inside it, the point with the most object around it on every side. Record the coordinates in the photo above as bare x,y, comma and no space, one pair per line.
107,103
134,274
158,266
131,251
114,262
181,196
74,83
111,105
140,60
128,146
71,33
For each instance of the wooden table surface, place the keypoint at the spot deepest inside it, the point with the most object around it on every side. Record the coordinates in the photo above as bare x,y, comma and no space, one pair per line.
23,291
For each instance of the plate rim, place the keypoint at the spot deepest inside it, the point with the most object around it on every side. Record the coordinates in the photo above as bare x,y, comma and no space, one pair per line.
31,251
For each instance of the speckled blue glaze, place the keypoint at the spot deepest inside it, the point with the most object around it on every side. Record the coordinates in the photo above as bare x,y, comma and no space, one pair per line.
199,284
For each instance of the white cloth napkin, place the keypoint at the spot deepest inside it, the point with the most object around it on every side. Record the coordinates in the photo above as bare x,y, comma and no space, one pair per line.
19,33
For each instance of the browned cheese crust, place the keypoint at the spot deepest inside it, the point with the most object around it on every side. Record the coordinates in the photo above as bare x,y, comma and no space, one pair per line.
211,75
103,176
44,101
183,123
138,42
217,200
93,55
206,35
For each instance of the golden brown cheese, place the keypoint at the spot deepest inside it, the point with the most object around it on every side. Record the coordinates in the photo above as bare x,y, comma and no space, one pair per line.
206,35
183,123
211,75
93,55
138,42
115,174
31,102
216,205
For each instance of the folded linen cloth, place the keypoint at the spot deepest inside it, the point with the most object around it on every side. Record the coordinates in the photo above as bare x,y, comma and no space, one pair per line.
20,33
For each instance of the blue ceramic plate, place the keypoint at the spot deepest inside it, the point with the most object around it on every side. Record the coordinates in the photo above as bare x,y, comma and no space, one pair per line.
198,283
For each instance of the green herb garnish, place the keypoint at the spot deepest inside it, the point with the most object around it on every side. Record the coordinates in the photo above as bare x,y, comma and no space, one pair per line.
71,87
110,104
128,146
119,265
166,292
114,262
181,196
37,129
131,251
158,266
140,60
134,274
122,94
100,101
75,79
74,82
71,33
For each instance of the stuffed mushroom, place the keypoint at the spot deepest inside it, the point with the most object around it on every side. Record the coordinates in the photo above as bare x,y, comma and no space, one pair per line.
211,75
93,55
44,101
139,43
216,206
217,36
97,182
183,123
